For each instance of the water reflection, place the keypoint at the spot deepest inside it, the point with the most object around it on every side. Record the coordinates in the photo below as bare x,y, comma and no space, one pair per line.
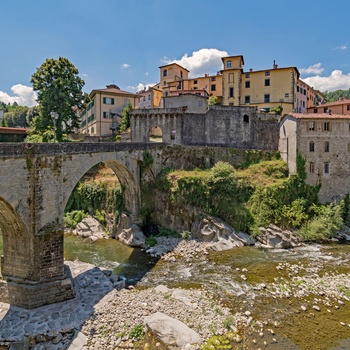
111,254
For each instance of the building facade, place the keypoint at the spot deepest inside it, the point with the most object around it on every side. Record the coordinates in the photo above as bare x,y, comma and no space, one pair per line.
337,107
100,118
323,140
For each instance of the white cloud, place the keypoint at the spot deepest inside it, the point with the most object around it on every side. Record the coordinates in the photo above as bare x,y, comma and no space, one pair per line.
341,47
140,87
314,69
337,80
125,66
201,62
24,96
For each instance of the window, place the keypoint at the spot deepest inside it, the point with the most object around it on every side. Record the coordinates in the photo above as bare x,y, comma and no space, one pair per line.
267,73
228,64
149,97
267,98
195,81
164,83
348,107
326,168
298,88
326,146
108,101
106,115
325,109
286,95
247,99
311,168
246,118
180,74
213,78
247,75
312,146
267,82
326,126
231,92
213,87
165,73
144,98
312,126
305,92
315,110
247,84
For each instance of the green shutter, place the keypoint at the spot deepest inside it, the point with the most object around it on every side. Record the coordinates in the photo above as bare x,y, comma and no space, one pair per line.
112,99
104,100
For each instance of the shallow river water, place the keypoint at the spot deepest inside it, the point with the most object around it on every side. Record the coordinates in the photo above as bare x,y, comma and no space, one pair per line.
279,287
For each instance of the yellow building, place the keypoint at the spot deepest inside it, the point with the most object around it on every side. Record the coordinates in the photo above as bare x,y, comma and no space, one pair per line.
99,118
231,80
172,77
269,88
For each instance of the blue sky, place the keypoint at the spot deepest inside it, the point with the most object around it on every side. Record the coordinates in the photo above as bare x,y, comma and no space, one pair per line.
125,41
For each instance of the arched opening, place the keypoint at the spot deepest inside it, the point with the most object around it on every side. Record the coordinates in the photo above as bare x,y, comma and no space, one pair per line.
246,118
155,134
16,257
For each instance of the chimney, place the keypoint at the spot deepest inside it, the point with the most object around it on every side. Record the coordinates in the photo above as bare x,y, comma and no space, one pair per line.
329,111
275,66
250,69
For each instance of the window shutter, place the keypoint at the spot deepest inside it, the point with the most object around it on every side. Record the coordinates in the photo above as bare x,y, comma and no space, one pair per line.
104,100
112,101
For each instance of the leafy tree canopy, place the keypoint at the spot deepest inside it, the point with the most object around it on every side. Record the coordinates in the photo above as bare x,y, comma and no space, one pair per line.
337,95
59,89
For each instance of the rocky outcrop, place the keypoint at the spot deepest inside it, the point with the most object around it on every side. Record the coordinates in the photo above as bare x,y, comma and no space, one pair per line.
90,228
132,236
220,235
275,237
171,331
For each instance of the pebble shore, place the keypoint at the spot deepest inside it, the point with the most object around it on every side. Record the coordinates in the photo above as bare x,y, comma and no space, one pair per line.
101,318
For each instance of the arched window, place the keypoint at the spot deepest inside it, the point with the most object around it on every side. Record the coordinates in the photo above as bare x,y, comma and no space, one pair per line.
165,72
246,118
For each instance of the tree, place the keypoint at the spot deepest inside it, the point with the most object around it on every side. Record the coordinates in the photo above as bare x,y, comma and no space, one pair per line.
60,90
125,123
213,100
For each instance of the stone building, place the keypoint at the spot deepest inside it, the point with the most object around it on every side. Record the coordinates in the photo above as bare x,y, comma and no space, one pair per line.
237,127
323,140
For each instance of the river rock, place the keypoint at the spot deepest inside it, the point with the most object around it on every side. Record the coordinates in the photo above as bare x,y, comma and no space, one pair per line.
274,237
171,331
132,236
124,223
90,227
220,235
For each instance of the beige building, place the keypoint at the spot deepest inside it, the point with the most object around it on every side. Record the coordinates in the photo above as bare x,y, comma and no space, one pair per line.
323,140
101,116
150,98
270,88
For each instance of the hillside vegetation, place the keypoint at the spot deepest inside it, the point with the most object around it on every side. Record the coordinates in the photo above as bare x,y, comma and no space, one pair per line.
257,195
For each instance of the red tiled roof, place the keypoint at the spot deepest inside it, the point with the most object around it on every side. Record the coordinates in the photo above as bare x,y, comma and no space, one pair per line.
335,103
317,116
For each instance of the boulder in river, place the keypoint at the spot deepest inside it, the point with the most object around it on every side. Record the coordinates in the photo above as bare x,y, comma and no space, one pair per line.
132,236
275,237
171,331
219,234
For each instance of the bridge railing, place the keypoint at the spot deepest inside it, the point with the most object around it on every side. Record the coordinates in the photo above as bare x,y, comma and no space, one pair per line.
23,149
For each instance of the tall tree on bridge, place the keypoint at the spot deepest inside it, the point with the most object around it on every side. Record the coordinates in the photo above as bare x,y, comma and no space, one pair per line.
59,90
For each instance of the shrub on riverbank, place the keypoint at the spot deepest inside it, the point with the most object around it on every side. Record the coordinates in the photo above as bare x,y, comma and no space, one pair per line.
258,195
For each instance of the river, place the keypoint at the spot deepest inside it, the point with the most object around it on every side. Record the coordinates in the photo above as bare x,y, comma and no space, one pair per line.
275,285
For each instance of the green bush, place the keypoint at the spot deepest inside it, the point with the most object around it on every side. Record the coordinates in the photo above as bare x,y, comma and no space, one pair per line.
151,241
137,332
327,220
73,218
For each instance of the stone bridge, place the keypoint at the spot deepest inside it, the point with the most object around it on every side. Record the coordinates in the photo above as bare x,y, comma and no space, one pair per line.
36,181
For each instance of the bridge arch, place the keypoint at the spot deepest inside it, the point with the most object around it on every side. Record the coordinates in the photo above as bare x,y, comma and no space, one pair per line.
17,243
126,178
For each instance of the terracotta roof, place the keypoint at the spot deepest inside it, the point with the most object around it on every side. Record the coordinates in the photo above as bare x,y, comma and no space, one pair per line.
317,116
335,103
112,91
170,64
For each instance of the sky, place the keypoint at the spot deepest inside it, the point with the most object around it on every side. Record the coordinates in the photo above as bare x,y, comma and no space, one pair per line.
124,42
